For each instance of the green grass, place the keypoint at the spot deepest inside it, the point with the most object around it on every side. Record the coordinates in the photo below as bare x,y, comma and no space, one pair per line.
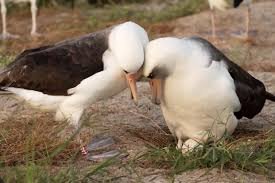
33,172
44,161
142,14
44,170
254,155
5,60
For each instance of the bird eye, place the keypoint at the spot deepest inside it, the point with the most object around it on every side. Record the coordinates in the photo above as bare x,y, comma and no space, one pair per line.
151,76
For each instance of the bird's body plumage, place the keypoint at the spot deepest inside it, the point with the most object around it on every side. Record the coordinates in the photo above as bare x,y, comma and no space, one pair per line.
56,68
203,92
82,70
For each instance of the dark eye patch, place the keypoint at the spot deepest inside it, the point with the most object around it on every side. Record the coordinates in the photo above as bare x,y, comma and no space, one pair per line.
159,72
151,76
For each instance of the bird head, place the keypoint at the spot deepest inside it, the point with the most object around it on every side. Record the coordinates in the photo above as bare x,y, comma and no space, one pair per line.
127,42
159,63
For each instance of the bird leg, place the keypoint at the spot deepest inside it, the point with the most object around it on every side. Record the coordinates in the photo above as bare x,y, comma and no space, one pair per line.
4,14
247,21
34,15
73,116
5,34
213,24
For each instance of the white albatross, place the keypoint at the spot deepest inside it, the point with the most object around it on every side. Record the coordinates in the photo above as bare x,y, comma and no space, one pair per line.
202,93
69,76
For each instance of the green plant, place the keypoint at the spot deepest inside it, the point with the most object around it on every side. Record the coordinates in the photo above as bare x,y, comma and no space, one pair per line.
137,13
5,59
256,154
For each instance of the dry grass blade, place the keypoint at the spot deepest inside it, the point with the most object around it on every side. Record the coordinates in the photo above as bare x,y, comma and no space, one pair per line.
20,137
155,124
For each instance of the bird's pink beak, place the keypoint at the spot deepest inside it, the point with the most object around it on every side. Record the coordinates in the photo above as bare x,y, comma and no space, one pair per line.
155,85
132,83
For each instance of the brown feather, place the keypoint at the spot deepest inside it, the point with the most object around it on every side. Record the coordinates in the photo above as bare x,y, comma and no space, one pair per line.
55,68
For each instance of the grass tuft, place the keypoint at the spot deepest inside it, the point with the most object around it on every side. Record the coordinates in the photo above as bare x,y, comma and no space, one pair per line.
142,14
255,154
5,60
30,151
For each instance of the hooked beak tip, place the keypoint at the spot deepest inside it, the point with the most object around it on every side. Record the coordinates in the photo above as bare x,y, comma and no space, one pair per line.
131,79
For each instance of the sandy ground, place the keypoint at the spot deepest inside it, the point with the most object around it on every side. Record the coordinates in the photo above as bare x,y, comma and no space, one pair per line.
134,127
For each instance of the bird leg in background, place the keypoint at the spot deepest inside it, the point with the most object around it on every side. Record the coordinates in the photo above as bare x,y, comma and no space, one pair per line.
155,85
5,33
247,21
4,14
34,15
213,24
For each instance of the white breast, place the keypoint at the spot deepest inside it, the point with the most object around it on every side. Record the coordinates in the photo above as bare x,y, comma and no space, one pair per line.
195,99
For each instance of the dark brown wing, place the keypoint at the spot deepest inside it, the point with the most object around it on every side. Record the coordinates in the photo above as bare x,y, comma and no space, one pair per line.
250,91
55,68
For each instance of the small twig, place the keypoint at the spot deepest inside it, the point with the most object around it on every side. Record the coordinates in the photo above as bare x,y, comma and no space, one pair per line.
229,145
3,137
153,121
146,117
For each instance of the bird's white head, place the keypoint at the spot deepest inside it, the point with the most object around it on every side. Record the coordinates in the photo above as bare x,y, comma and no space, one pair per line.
160,61
127,43
160,57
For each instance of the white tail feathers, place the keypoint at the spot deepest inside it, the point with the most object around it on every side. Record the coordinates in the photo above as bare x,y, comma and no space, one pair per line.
38,99
67,108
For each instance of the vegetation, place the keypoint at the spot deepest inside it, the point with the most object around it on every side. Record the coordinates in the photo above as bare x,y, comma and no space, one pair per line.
5,59
43,157
142,14
256,154
35,172
30,151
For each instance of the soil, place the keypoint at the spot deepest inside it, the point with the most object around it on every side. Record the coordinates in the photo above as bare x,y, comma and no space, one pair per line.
135,127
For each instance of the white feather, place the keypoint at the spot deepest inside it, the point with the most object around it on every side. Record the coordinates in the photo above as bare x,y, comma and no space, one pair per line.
127,42
37,99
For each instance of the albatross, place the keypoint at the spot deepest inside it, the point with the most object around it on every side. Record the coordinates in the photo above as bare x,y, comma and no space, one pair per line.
69,76
201,92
